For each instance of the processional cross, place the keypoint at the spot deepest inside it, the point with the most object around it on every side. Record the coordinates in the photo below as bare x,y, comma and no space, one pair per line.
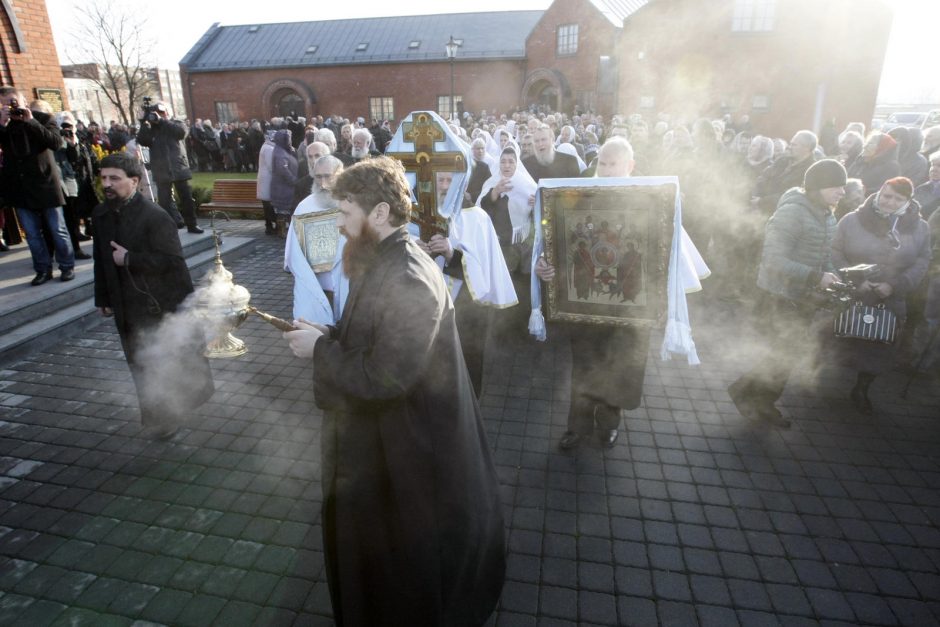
425,162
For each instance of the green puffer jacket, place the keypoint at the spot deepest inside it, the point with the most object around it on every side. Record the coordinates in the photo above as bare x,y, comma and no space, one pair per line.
797,246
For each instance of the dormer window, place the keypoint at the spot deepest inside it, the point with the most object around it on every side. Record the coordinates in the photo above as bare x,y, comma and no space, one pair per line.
414,45
253,29
312,49
361,47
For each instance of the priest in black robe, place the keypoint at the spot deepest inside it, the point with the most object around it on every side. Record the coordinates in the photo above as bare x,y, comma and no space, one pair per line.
412,523
140,278
548,163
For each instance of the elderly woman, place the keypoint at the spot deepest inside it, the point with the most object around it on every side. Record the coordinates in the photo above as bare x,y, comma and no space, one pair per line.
505,197
877,163
283,179
887,231
928,194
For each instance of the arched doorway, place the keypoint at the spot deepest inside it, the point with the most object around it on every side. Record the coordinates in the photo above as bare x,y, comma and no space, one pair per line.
283,96
289,103
548,88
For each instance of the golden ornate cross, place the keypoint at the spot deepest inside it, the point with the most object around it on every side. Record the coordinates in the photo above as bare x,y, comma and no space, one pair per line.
425,162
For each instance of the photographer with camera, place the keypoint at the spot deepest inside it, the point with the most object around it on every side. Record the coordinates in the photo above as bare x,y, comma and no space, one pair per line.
887,231
797,258
31,183
169,164
69,159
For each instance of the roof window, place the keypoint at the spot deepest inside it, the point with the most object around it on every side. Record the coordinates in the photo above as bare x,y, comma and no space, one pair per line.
414,45
312,49
361,47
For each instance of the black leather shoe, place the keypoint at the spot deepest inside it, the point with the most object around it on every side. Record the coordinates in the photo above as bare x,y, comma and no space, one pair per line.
771,415
180,225
41,277
744,405
81,254
67,275
569,441
3,247
609,438
195,229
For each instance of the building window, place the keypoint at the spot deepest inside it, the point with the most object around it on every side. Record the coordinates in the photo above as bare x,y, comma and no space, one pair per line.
753,15
226,111
760,103
382,108
414,45
362,47
443,105
587,100
312,49
567,40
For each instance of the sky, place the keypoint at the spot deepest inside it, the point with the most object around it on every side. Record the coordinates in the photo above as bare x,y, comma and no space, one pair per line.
176,25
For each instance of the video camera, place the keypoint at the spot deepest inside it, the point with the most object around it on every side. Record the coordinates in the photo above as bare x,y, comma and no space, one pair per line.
15,109
852,277
152,111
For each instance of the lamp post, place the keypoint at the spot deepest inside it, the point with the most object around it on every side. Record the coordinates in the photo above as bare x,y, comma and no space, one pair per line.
451,48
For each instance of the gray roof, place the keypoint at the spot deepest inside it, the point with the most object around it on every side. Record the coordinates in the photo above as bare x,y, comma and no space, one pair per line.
490,35
619,10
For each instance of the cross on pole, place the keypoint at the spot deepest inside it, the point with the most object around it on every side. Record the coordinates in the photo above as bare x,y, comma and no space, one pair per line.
425,162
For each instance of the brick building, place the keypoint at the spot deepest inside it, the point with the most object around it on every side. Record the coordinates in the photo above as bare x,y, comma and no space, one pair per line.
786,63
28,58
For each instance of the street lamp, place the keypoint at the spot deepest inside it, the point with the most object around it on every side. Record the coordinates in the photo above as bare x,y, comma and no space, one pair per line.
451,48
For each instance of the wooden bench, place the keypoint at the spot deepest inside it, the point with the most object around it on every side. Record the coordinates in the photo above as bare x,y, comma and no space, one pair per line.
234,196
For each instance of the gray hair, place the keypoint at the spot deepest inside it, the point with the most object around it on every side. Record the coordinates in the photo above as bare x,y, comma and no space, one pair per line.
479,141
620,146
335,164
807,137
934,157
363,132
326,136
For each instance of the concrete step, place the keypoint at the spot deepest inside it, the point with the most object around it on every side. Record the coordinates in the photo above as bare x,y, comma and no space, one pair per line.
73,309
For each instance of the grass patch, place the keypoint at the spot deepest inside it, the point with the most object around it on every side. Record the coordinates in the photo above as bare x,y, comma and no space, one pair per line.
205,179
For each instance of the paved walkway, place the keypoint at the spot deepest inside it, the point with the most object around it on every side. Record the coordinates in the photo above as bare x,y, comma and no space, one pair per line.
695,517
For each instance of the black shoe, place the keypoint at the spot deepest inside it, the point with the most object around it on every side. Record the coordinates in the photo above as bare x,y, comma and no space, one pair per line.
744,405
569,441
81,254
609,438
41,277
180,225
67,275
83,238
3,247
195,229
771,415
859,397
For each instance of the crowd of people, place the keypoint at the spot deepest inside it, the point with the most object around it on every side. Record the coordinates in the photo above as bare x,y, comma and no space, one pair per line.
788,226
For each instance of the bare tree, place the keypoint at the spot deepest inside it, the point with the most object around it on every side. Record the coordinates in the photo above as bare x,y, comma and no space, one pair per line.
111,49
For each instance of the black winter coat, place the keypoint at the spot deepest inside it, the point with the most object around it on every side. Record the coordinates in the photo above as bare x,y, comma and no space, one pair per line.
30,177
167,143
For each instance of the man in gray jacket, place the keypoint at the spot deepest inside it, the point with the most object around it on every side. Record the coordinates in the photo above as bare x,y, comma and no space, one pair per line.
796,260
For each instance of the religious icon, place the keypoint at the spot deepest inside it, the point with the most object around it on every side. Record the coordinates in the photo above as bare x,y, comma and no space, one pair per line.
610,249
319,237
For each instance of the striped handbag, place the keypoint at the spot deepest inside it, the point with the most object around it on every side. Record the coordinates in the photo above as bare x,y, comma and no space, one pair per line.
866,322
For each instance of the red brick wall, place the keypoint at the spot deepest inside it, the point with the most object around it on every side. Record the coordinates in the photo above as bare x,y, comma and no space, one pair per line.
597,36
39,65
345,90
693,63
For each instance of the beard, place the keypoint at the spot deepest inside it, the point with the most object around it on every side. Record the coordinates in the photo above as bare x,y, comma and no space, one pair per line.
545,159
359,153
324,198
360,252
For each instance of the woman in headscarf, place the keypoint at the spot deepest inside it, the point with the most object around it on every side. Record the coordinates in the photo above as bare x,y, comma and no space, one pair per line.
887,231
878,162
283,179
504,138
568,149
505,197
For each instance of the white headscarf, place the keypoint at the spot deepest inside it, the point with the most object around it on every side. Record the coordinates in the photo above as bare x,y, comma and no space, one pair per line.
568,149
502,130
523,187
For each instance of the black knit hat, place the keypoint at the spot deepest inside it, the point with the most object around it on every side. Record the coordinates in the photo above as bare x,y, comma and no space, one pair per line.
824,174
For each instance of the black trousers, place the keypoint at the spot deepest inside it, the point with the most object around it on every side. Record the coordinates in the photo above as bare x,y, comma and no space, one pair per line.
788,337
185,194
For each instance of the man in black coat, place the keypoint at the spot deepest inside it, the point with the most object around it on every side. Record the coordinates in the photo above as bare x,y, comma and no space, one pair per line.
140,278
412,522
608,364
169,164
786,172
548,163
30,182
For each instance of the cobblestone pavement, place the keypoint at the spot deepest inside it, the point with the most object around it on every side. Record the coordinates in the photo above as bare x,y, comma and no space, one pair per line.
694,517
